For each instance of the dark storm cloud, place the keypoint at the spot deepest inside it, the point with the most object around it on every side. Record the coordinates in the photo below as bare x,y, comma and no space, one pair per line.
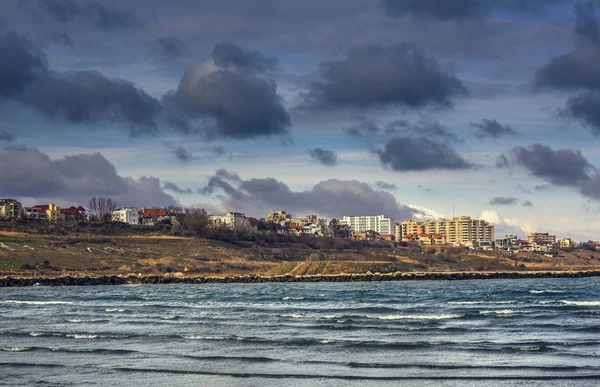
418,154
227,175
229,102
586,22
323,156
81,97
6,136
66,11
21,65
227,54
385,185
584,107
332,198
178,151
461,10
85,97
169,186
562,167
399,75
579,69
504,200
427,126
559,167
492,128
74,178
363,129
171,47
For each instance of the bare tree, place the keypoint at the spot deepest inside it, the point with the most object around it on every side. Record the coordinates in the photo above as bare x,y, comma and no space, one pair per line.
101,208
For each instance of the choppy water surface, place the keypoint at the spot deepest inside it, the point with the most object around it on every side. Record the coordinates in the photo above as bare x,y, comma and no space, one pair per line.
469,333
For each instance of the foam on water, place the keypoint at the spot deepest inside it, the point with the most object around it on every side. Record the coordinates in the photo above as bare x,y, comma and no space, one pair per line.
37,302
580,303
417,317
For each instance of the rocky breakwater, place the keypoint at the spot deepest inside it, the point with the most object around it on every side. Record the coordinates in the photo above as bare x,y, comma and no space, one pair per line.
396,276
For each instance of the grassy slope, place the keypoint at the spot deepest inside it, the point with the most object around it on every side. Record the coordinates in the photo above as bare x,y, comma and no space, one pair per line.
96,255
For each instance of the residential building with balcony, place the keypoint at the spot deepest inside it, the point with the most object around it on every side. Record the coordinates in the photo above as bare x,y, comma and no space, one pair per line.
378,223
10,209
541,238
230,219
129,215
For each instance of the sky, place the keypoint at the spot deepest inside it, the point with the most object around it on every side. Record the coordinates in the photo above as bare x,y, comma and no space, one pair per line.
410,108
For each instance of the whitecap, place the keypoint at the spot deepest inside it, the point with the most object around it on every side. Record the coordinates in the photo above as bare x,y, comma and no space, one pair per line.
417,317
193,337
545,291
292,298
311,316
82,336
172,317
503,312
35,334
37,302
580,303
479,302
327,341
15,349
115,310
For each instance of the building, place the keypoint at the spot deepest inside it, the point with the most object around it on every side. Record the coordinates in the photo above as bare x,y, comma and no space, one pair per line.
313,229
411,227
509,243
129,215
379,223
460,230
33,213
541,238
51,211
10,209
565,243
230,219
279,216
153,216
73,214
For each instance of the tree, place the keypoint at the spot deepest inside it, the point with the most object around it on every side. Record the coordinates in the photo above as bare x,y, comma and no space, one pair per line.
197,220
101,208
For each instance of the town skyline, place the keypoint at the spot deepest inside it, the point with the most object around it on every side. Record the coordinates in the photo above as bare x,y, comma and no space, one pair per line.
412,111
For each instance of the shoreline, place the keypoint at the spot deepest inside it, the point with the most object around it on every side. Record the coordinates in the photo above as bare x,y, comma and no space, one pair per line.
9,281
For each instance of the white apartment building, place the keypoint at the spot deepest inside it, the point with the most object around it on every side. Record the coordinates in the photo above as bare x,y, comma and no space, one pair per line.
378,223
230,219
541,238
129,215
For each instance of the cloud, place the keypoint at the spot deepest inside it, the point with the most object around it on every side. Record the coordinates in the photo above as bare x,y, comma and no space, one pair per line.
527,203
504,226
385,185
559,167
503,200
228,102
492,128
324,156
178,151
460,10
418,154
330,198
6,136
427,126
96,14
425,213
169,186
220,151
562,167
586,22
584,107
227,175
74,178
376,76
229,55
171,47
80,97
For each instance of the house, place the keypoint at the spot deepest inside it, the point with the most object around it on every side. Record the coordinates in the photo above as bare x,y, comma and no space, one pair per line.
33,213
51,211
565,243
313,229
153,216
230,220
296,230
129,215
279,216
10,209
73,214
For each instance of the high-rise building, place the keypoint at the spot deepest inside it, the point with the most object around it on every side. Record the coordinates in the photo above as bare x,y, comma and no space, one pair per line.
377,223
459,230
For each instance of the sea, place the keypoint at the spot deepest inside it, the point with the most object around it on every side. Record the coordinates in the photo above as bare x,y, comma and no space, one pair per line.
523,332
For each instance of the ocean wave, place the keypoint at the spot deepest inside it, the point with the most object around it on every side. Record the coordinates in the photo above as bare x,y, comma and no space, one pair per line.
196,337
37,302
503,312
580,303
14,349
417,317
545,291
82,336
479,302
292,298
311,316
82,321
110,310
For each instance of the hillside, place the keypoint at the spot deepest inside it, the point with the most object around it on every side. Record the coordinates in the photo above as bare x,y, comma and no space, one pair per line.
28,253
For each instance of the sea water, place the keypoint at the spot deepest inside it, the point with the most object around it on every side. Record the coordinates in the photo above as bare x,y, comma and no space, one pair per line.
525,332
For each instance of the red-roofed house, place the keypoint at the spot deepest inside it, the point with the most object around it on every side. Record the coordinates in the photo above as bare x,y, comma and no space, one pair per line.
152,216
73,214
